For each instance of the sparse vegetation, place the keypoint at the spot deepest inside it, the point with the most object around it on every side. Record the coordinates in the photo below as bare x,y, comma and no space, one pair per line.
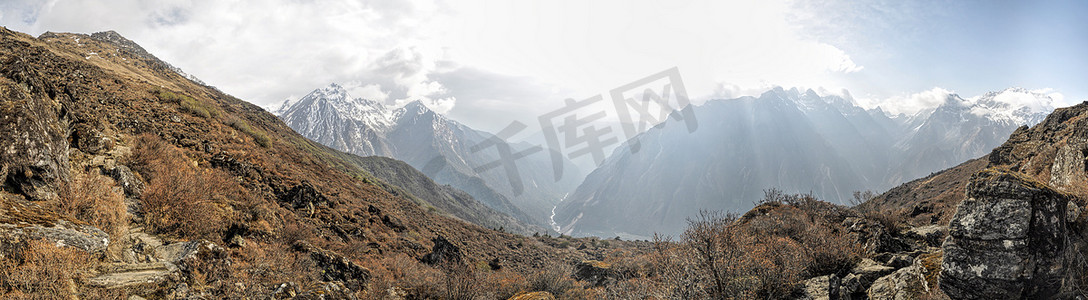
257,135
188,104
41,270
860,197
181,198
723,256
96,200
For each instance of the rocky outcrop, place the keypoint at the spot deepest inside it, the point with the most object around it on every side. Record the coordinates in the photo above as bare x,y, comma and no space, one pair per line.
129,181
595,273
872,235
443,252
1006,239
22,220
303,195
34,154
905,283
336,268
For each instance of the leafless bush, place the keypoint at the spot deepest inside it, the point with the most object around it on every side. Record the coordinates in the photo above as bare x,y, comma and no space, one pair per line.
555,279
95,199
675,269
708,236
182,198
41,270
862,197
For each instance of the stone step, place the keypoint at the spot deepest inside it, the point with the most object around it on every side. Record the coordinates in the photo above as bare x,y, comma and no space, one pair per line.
127,279
124,267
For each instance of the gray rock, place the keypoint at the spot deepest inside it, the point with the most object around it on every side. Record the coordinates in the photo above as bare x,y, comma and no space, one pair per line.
930,235
1069,163
443,252
1006,239
855,284
89,139
237,241
871,270
34,143
823,287
336,268
899,259
596,273
22,220
872,235
62,233
906,283
128,180
1072,211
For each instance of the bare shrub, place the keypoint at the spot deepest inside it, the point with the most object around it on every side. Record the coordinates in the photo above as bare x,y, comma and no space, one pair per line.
41,270
862,197
555,279
708,235
763,255
97,200
675,269
399,272
181,198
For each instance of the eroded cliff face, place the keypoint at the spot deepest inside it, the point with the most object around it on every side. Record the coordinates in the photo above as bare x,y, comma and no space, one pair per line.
35,147
1006,240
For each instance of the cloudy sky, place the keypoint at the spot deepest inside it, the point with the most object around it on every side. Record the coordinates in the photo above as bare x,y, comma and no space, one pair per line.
486,63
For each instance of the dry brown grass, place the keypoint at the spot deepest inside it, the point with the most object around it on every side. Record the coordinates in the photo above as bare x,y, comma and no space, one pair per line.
182,198
401,272
41,270
764,254
98,201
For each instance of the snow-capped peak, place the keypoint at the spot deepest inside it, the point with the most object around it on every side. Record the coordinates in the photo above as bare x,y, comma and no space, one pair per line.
416,107
1017,105
373,113
810,101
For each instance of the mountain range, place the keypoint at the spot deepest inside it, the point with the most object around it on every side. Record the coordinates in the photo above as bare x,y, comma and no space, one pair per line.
799,142
447,151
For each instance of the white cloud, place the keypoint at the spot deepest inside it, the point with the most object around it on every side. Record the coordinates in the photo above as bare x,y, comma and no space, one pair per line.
1059,98
366,91
726,90
909,104
397,51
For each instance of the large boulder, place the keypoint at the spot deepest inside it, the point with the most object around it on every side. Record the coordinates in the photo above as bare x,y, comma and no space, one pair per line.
1006,239
34,154
443,253
819,288
22,220
595,273
336,268
905,283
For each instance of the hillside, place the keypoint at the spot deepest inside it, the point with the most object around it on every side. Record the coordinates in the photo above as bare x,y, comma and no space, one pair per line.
412,183
203,194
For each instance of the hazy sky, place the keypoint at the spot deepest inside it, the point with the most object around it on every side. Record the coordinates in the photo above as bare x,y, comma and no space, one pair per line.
486,63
